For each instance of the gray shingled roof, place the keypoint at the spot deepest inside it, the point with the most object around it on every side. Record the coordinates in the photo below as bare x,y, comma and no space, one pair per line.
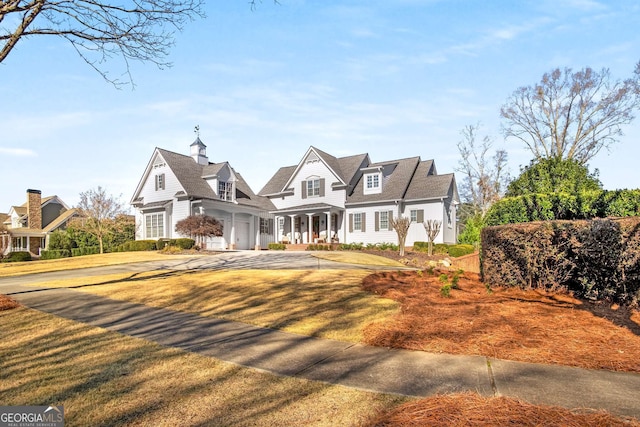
395,186
425,186
189,174
277,182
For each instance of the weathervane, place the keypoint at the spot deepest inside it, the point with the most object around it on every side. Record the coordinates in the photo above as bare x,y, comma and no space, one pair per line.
196,130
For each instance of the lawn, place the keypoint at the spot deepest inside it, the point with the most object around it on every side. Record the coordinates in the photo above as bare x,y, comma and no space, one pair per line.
393,309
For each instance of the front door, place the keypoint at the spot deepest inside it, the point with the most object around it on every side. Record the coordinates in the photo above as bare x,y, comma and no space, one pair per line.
316,227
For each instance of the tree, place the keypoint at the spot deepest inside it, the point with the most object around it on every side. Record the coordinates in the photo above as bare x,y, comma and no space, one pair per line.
401,225
432,227
571,115
99,30
555,175
200,227
99,212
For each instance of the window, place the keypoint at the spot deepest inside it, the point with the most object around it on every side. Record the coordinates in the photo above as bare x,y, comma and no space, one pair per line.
357,222
373,181
160,182
265,226
225,191
414,215
417,215
383,220
313,187
154,224
281,225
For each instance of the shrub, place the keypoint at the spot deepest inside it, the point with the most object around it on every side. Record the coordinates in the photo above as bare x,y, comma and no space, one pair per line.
87,250
138,245
596,259
277,246
55,254
350,246
319,247
183,243
18,256
420,246
460,250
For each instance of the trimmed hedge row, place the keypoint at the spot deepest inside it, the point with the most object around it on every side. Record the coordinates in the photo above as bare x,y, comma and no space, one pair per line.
155,245
87,250
55,254
445,249
586,205
18,256
595,259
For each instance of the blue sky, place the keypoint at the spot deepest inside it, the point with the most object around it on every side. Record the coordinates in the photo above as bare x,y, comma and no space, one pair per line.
393,78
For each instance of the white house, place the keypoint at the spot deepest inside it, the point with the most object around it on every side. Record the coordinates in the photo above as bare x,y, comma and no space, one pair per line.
321,199
351,200
174,186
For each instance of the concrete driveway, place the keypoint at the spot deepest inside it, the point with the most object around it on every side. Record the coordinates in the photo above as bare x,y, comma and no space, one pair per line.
245,260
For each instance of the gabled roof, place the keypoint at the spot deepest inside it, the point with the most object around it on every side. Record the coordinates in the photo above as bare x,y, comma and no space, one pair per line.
394,186
61,220
345,168
191,175
427,185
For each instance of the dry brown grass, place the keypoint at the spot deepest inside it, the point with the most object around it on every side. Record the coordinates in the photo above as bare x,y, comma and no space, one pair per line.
469,409
31,267
323,303
524,325
106,379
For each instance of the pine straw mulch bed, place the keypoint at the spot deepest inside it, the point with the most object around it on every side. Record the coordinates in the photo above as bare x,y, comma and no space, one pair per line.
469,409
7,303
507,323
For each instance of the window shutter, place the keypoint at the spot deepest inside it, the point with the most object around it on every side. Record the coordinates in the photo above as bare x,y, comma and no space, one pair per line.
420,216
304,189
163,181
270,226
157,180
364,222
350,223
321,187
389,218
377,222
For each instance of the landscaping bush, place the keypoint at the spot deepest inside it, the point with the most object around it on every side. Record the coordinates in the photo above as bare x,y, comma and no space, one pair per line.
183,243
87,250
277,246
17,256
319,247
595,259
138,245
460,250
55,254
350,247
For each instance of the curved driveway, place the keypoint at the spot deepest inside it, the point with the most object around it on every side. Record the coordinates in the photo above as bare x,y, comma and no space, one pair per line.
246,260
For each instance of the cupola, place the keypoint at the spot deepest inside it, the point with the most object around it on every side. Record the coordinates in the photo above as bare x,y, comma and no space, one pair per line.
199,152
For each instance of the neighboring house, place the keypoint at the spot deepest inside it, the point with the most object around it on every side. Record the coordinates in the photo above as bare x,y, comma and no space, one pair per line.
174,186
352,200
30,224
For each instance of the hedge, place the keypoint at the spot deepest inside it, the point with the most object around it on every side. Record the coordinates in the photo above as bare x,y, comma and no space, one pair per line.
18,256
277,246
595,259
445,249
563,206
137,245
87,250
55,254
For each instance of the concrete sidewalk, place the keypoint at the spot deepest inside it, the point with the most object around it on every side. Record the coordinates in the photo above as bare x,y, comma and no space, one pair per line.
411,373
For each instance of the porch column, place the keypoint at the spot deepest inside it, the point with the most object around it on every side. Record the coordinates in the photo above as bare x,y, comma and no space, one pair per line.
258,243
328,214
309,228
292,226
232,242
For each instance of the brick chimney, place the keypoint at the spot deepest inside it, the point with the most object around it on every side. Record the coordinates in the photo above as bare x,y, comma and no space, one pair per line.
34,209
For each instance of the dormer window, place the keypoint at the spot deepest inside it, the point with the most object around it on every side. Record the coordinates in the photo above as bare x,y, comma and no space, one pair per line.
313,187
225,191
373,183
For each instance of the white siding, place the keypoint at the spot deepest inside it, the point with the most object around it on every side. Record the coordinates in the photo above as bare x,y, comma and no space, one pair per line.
172,186
432,210
313,169
370,235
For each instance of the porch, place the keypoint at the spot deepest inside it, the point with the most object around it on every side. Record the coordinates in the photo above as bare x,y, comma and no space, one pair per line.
311,224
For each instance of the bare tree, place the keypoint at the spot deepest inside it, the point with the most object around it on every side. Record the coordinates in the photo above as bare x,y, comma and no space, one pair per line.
401,225
432,227
484,178
571,115
99,30
200,227
99,214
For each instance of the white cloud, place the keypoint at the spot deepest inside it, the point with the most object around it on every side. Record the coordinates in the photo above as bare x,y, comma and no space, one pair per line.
18,152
